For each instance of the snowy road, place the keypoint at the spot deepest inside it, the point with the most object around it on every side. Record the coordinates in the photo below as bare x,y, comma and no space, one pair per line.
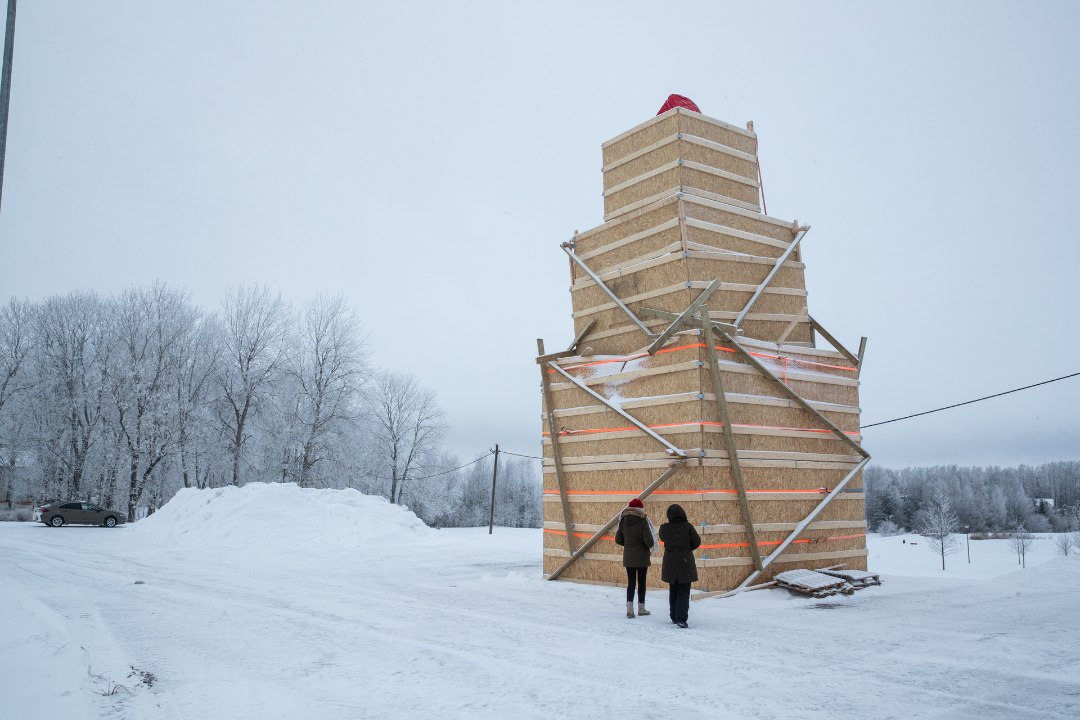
457,623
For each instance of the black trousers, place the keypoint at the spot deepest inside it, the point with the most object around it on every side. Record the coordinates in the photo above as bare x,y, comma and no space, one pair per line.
679,601
636,576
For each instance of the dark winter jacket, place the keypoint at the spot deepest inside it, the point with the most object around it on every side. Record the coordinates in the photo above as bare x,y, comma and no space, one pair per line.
635,537
680,541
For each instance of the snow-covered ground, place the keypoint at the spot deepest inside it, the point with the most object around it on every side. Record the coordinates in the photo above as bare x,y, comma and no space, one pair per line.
273,602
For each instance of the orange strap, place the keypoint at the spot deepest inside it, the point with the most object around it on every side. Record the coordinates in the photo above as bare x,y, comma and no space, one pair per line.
677,348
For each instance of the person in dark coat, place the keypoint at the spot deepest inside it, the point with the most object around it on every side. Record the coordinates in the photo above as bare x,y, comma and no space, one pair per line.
679,569
635,536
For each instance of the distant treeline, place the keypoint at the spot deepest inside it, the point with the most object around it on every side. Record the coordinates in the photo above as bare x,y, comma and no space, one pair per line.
122,400
1043,498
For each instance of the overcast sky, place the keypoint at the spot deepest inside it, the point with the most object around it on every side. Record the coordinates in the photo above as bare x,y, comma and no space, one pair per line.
427,160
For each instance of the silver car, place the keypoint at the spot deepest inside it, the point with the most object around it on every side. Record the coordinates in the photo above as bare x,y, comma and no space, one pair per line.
78,513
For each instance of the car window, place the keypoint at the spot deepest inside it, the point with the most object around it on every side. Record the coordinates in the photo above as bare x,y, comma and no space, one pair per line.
71,506
90,508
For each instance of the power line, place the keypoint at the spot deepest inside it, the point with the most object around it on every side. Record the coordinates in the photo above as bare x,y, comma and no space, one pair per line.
968,402
447,472
518,454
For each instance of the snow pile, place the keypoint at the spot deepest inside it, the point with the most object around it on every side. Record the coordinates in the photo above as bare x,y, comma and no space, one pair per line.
281,515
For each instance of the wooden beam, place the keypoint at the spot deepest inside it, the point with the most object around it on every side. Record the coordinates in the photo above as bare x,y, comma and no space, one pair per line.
638,424
834,342
600,283
804,522
553,430
729,437
862,354
772,273
672,469
580,336
742,352
686,315
665,315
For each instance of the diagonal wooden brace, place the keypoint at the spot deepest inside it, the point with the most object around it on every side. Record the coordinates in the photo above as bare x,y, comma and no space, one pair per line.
794,533
772,273
638,424
672,469
746,355
853,359
684,317
600,283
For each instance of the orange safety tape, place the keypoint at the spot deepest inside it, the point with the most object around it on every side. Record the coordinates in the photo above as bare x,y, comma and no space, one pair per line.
717,546
699,423
784,359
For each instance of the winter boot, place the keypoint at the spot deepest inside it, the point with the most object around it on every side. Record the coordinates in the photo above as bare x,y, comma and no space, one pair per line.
641,609
630,609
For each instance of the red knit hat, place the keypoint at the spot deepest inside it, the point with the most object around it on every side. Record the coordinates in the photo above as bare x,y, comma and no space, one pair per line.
636,503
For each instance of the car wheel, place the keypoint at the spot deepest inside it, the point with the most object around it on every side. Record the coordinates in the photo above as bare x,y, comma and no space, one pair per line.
56,521
110,522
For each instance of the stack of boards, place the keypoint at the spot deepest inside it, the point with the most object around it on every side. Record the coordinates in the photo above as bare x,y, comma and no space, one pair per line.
681,210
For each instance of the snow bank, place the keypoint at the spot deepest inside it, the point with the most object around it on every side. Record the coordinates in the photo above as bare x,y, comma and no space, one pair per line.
280,515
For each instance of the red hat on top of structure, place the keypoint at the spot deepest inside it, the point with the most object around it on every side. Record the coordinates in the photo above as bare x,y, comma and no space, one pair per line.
674,101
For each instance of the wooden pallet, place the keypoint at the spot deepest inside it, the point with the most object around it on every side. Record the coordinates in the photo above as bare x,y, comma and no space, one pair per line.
856,578
813,583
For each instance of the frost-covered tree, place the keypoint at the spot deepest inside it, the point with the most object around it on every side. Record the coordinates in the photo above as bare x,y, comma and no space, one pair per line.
938,524
406,427
255,326
1064,544
328,368
149,330
1021,541
16,345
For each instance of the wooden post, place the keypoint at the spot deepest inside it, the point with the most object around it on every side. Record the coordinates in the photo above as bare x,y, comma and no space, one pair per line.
672,469
556,452
729,436
5,86
494,477
862,354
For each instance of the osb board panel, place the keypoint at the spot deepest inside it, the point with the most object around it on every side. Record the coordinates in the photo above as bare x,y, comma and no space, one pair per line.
760,482
675,180
704,210
717,239
599,510
653,245
586,300
676,122
680,150
705,267
626,226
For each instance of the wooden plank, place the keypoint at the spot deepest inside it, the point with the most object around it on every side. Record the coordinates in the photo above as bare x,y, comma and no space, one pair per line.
580,336
684,317
607,290
834,342
553,429
674,467
796,397
641,426
805,522
862,354
772,273
729,437
682,191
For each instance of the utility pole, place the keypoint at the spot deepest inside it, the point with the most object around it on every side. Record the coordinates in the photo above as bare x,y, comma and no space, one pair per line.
494,476
5,87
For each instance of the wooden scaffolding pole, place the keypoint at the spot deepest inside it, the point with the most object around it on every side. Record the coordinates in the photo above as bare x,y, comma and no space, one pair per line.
672,469
556,451
729,436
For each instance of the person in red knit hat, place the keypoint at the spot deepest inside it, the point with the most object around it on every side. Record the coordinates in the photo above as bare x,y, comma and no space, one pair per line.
636,536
